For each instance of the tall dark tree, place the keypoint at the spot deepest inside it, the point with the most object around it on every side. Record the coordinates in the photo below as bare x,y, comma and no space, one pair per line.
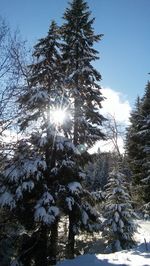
133,143
82,78
82,81
138,144
31,181
145,140
46,83
43,177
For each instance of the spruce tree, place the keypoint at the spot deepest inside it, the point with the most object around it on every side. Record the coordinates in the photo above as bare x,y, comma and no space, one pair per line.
46,82
133,143
43,177
144,133
30,190
118,227
82,79
138,145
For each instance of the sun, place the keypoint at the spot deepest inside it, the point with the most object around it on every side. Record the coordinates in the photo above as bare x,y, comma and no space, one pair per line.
58,116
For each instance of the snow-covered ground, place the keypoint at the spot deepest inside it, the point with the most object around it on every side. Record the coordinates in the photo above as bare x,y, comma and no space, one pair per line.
139,256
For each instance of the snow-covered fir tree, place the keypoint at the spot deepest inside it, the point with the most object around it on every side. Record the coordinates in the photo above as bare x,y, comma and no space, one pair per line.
43,177
133,143
82,79
134,153
119,228
144,133
8,225
27,191
138,148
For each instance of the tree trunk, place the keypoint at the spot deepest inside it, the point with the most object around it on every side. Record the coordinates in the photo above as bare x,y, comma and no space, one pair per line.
53,249
76,122
71,239
27,250
76,101
41,248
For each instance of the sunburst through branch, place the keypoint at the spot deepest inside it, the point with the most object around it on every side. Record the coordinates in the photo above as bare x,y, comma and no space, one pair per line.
58,116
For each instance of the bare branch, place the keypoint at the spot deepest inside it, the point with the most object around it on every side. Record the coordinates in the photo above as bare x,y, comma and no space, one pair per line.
114,132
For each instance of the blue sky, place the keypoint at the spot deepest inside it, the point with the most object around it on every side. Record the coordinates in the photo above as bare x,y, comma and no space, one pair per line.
124,50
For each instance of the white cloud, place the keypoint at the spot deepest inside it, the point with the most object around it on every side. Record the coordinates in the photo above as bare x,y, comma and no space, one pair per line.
118,107
115,105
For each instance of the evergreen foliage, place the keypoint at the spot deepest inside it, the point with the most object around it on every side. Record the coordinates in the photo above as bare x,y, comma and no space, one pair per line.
43,176
133,143
27,191
81,77
97,171
10,231
118,226
145,136
138,139
81,81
